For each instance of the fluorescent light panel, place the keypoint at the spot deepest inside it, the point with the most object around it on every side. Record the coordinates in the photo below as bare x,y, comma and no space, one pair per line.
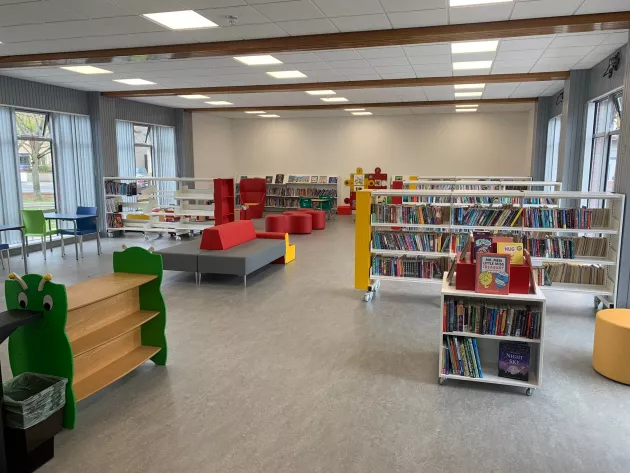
286,74
474,47
86,70
261,60
180,20
358,114
255,112
334,99
321,92
469,3
467,106
194,96
355,110
460,66
469,86
134,81
468,94
219,102
269,116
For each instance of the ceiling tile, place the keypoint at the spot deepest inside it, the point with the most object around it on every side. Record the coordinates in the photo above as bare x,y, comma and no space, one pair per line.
34,12
427,49
415,19
351,64
466,57
295,58
91,8
421,72
151,6
617,38
411,5
544,8
389,61
518,44
59,30
574,40
517,55
479,14
306,27
287,11
338,55
246,15
529,62
419,60
439,92
196,4
555,64
131,24
395,70
499,91
579,51
267,30
386,52
351,75
603,6
362,23
398,75
333,8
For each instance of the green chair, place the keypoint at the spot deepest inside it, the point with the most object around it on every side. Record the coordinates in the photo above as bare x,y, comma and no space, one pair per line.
325,205
35,226
306,202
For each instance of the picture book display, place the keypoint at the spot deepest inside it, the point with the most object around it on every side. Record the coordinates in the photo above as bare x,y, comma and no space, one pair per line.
514,250
483,243
269,179
514,360
492,274
279,178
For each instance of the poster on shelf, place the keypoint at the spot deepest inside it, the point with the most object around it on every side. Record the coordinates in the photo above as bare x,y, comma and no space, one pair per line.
332,180
323,179
269,179
492,275
279,178
314,179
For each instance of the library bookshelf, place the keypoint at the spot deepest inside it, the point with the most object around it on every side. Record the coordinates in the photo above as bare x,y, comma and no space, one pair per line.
173,205
456,206
284,190
487,344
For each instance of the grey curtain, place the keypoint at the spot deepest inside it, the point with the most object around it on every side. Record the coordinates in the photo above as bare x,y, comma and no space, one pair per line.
164,163
126,149
74,162
10,188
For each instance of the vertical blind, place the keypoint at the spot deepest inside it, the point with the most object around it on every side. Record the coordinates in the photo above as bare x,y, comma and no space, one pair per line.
10,189
126,149
164,160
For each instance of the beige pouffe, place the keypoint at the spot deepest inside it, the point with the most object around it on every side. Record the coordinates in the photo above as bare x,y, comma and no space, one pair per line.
611,350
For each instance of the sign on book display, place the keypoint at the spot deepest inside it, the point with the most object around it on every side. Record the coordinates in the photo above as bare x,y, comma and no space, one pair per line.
493,274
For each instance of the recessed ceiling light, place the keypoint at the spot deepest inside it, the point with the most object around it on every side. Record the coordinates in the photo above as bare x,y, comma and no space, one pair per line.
361,113
269,116
321,92
354,109
87,70
262,60
467,105
134,81
474,47
180,20
255,112
458,66
470,86
458,110
194,96
219,102
468,3
468,94
286,74
334,99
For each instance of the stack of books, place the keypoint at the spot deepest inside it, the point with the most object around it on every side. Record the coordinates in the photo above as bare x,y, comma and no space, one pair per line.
406,267
412,241
570,273
567,218
569,248
121,188
411,214
460,356
491,319
481,217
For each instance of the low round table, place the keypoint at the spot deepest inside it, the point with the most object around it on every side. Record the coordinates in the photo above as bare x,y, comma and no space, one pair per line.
277,223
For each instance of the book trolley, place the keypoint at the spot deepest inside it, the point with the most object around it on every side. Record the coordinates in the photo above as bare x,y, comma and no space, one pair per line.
573,237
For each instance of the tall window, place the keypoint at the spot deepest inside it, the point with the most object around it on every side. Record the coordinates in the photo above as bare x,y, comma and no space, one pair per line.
605,141
553,147
143,147
36,159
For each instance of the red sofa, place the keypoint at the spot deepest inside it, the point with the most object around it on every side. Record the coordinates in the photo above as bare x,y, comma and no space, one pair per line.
253,195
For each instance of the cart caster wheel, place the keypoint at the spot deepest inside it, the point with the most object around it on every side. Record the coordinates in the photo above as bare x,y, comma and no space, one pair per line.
146,237
529,391
178,238
595,302
441,381
368,297
376,286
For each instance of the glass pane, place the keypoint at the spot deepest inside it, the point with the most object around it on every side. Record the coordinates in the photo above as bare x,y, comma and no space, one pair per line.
601,116
143,161
597,165
36,174
615,119
32,124
142,134
612,163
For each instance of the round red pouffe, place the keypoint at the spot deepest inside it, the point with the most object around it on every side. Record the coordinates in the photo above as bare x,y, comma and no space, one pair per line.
319,219
300,223
277,223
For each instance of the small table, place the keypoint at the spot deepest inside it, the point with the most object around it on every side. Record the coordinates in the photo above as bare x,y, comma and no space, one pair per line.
74,218
20,228
317,203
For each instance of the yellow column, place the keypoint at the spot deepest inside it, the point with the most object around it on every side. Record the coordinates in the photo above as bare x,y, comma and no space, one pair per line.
362,240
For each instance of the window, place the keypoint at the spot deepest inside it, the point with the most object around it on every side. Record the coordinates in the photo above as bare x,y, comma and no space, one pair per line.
36,160
553,148
143,148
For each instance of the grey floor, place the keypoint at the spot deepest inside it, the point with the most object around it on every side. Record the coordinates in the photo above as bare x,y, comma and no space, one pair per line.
298,374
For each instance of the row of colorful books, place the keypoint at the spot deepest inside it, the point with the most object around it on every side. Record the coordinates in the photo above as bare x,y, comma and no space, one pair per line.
408,267
569,248
460,356
411,214
507,217
112,205
300,192
491,319
114,220
282,202
121,188
412,241
570,273
567,218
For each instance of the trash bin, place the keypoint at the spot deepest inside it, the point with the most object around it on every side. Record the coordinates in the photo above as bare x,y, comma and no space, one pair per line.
33,413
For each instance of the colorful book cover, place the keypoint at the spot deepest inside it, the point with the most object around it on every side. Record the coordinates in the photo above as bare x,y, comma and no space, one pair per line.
332,180
483,243
322,180
477,357
269,179
492,274
314,179
279,178
514,360
515,250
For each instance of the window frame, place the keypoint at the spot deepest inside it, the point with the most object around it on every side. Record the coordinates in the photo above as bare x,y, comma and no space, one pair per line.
150,145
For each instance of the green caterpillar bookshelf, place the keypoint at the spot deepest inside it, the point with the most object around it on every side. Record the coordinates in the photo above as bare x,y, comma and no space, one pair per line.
94,332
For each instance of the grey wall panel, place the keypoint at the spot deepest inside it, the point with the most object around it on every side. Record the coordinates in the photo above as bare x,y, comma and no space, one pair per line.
555,104
599,85
34,95
140,112
184,143
541,124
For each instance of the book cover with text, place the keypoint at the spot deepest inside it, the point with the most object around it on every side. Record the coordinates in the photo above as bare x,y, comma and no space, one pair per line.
492,274
514,250
514,360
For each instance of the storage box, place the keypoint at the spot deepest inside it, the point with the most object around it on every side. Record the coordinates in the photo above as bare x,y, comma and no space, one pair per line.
344,210
519,277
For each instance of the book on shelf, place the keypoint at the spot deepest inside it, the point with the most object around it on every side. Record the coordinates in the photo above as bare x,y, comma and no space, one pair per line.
576,219
514,360
483,243
514,250
114,220
589,274
492,274
121,188
483,318
481,217
460,356
411,214
407,267
411,241
269,179
566,247
112,205
279,178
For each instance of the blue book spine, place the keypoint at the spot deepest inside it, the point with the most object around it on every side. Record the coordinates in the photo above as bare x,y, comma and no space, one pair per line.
477,358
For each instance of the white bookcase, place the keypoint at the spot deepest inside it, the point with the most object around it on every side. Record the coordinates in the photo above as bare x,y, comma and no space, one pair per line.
488,345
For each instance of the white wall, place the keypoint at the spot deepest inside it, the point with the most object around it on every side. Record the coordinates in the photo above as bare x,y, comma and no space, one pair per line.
438,144
212,146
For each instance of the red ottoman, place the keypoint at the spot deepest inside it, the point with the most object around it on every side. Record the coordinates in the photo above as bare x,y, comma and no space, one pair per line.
344,210
277,224
300,223
319,219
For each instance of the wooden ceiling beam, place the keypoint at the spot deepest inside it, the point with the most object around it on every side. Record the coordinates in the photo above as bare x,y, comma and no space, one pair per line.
359,39
342,106
346,85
